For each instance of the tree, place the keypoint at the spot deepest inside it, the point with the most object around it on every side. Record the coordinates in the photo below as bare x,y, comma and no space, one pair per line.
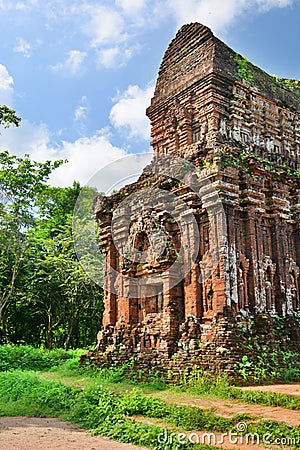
8,117
21,182
68,303
45,295
54,302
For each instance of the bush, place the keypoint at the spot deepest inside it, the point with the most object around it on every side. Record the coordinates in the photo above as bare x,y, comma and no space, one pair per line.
25,393
26,357
135,403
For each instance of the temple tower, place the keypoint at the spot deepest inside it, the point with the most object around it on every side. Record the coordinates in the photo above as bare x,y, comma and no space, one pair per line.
241,128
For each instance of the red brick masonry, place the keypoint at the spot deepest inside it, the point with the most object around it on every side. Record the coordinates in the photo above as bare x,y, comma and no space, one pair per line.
240,128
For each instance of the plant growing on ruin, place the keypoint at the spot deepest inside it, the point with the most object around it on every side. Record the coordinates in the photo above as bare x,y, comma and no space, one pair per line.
292,85
243,69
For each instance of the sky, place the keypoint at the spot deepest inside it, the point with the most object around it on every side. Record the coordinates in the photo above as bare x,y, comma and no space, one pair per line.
81,73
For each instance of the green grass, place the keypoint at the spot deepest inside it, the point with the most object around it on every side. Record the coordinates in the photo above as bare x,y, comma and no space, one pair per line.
24,393
205,385
105,400
26,357
208,385
264,398
107,413
97,409
64,365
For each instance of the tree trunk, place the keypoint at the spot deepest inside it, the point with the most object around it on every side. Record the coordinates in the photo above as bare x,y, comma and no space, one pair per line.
68,338
70,331
49,331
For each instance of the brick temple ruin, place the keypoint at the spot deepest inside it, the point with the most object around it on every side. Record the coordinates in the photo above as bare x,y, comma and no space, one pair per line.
241,128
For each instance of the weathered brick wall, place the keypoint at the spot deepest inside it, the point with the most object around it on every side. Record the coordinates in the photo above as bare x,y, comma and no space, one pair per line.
219,348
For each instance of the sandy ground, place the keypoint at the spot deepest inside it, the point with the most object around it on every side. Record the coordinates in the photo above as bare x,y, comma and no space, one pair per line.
25,433
229,408
290,389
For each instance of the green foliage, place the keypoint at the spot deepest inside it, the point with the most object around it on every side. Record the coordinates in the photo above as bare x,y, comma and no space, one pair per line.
244,365
25,357
199,382
276,430
219,386
60,306
24,393
109,414
192,418
243,69
207,383
271,366
97,409
60,294
292,85
273,361
8,117
135,403
264,398
21,181
244,157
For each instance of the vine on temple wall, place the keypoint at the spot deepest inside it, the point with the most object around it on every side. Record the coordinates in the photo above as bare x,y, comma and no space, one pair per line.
243,68
244,158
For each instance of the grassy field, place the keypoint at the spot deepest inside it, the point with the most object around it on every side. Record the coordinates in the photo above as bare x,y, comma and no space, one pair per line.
35,382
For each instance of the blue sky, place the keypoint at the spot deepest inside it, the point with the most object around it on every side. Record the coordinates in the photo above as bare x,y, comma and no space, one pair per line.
81,73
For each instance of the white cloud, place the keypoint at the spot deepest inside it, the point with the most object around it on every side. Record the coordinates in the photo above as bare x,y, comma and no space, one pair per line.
4,5
266,5
131,7
73,62
112,28
115,57
107,30
6,80
6,86
104,25
25,139
216,14
129,112
27,5
212,13
85,155
81,115
23,47
109,57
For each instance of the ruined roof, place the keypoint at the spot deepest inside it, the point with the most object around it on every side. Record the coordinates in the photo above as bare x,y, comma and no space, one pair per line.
195,53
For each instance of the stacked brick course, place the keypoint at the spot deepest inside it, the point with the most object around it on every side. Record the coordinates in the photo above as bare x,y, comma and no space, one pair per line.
241,128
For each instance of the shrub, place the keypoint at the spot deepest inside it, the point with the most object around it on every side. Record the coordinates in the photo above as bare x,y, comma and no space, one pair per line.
26,357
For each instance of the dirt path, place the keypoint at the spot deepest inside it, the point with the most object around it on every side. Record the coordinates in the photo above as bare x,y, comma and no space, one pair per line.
229,408
227,441
289,389
25,433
